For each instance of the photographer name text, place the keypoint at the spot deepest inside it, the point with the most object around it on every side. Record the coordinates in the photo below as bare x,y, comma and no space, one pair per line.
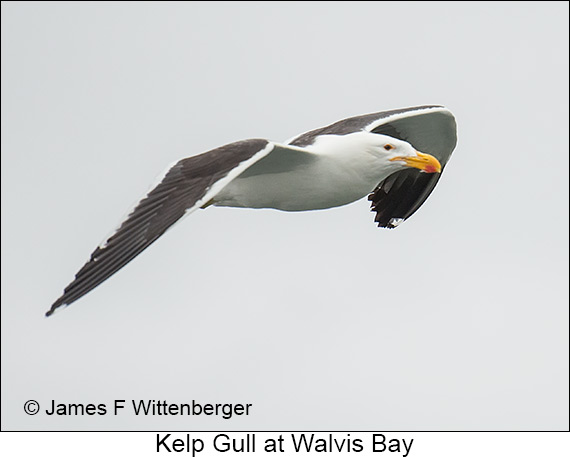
146,408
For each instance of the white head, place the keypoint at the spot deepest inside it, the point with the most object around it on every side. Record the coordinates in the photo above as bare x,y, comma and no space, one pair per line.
396,154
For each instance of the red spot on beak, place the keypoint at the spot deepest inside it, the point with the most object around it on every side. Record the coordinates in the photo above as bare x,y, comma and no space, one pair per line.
430,169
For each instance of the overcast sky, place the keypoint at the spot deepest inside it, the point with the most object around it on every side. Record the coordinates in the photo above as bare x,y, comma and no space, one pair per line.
456,320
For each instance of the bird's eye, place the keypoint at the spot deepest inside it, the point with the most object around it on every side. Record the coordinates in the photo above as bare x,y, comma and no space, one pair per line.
388,147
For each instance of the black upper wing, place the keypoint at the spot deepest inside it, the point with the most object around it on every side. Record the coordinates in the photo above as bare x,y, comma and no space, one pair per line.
352,124
182,188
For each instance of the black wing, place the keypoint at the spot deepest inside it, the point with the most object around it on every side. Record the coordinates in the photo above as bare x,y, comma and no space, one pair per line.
354,124
181,189
399,196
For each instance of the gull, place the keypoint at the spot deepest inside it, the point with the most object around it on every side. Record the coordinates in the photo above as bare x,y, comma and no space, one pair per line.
394,157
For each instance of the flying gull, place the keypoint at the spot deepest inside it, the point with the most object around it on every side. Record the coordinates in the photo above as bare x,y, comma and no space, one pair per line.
395,157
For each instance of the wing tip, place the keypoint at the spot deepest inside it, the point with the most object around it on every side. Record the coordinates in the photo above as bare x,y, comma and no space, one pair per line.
56,306
388,225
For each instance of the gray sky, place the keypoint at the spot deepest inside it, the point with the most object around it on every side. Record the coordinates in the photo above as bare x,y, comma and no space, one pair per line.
458,319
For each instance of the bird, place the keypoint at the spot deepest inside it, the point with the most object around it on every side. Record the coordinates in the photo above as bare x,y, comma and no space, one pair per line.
394,157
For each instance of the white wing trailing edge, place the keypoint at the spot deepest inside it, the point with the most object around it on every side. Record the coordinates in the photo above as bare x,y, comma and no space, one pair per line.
187,185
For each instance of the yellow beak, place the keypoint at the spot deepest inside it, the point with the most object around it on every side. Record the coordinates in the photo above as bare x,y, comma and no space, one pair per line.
423,162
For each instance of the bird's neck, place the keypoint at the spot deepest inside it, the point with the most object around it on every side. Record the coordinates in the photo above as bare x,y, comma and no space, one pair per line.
353,155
